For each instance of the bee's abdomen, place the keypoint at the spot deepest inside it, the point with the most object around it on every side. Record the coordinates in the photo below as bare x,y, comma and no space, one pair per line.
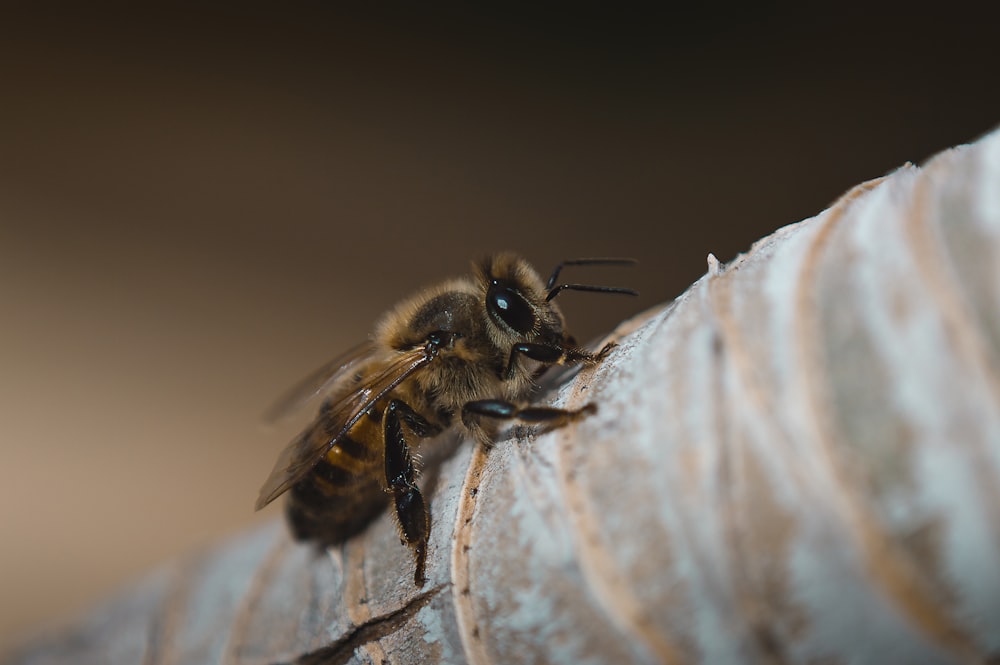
341,495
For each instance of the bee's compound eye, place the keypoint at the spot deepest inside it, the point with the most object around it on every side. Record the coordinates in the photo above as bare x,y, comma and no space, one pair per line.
510,307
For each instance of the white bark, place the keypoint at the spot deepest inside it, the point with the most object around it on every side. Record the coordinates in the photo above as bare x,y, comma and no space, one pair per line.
796,461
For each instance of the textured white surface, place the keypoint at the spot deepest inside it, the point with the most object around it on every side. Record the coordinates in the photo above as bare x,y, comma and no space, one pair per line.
796,461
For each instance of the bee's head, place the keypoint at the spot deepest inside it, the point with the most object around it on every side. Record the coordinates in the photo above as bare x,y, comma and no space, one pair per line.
515,300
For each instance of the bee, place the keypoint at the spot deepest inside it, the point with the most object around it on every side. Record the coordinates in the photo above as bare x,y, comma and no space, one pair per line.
465,353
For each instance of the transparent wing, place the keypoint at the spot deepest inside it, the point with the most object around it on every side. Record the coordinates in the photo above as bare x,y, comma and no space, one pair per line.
319,382
302,454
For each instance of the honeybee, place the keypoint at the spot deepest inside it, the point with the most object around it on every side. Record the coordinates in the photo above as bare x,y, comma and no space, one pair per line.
466,353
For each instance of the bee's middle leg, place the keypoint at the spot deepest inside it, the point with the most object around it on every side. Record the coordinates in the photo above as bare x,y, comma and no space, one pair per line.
411,509
537,415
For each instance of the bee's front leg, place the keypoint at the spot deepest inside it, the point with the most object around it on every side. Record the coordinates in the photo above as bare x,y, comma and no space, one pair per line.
411,509
553,354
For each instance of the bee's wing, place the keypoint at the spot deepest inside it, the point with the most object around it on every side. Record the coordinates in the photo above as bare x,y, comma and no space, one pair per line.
302,454
319,382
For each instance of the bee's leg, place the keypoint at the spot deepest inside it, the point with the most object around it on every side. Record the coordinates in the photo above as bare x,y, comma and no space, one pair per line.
555,354
411,509
501,410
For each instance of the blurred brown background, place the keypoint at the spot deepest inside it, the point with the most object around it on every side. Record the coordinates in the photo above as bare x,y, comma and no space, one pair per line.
197,206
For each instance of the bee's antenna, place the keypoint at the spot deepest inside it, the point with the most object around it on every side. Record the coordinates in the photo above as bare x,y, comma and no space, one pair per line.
555,290
584,262
589,287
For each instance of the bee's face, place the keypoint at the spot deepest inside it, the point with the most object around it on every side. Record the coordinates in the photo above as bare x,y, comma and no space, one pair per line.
515,302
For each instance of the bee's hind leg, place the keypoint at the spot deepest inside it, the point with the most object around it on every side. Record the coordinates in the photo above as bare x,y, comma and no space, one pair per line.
411,509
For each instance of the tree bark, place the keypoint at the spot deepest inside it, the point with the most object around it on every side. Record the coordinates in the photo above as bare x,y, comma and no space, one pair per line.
797,461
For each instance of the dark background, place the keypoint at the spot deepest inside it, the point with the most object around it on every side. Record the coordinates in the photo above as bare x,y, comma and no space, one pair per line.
197,206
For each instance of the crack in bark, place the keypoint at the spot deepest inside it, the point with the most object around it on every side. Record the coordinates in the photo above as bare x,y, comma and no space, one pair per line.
340,652
461,539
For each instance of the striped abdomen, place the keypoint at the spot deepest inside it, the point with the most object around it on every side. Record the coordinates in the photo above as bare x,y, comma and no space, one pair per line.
343,492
